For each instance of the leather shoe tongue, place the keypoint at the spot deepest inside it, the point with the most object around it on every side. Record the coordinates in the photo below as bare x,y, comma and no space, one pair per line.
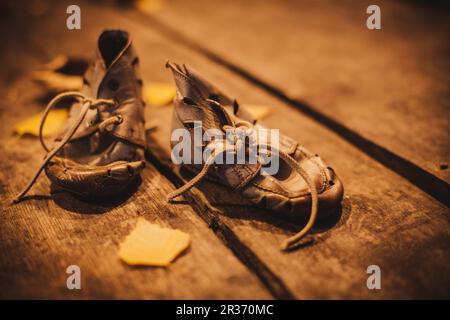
186,87
192,90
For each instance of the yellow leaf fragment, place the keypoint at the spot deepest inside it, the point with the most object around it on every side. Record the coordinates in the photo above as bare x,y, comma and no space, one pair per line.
57,62
58,81
159,94
258,111
54,120
151,245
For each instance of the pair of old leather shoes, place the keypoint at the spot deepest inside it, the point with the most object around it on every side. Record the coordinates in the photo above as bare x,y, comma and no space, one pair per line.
100,150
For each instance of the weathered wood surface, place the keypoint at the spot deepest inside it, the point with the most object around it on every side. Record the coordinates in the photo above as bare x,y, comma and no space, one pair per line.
385,220
41,237
385,90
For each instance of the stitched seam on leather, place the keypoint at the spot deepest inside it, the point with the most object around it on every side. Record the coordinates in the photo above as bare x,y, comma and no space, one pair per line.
245,180
271,190
323,174
303,152
233,168
294,146
251,175
322,171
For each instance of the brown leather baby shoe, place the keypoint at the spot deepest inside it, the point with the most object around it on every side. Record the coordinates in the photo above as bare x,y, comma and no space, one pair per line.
100,150
302,184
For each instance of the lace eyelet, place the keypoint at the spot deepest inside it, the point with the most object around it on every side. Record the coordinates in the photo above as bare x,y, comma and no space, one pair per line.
113,85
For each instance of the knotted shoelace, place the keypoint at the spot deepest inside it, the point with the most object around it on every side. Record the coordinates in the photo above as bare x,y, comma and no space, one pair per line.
87,104
218,148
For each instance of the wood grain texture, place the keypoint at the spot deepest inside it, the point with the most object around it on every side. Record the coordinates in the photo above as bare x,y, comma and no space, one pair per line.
385,220
41,237
389,86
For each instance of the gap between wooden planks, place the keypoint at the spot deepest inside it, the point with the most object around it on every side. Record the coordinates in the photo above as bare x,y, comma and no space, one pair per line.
359,92
332,268
386,220
43,235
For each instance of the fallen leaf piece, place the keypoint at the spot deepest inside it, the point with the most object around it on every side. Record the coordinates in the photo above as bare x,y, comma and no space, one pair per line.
54,120
57,62
258,111
151,245
58,81
159,94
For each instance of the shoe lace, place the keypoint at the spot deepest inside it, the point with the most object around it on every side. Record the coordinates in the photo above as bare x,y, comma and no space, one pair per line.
86,105
218,148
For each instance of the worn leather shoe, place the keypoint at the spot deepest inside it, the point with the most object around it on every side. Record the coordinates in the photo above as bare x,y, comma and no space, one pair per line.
303,183
100,150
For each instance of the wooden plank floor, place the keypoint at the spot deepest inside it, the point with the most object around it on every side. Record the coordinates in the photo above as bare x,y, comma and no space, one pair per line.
39,238
385,90
385,219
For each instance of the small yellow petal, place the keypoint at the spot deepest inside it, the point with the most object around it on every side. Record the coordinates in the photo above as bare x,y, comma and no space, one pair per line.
53,123
159,94
58,81
258,111
151,245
